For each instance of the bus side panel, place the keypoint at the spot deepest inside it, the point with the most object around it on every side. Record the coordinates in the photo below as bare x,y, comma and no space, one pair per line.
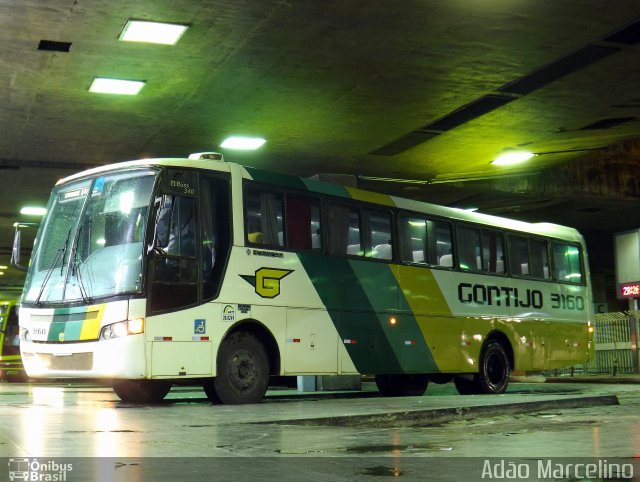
569,337
347,288
311,342
423,303
182,343
541,331
364,297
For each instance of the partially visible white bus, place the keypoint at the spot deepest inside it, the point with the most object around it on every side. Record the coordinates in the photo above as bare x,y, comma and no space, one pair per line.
162,271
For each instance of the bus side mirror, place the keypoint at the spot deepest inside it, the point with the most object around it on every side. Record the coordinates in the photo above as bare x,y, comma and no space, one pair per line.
15,251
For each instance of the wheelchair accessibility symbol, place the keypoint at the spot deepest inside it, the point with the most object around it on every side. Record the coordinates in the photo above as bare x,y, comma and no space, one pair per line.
199,327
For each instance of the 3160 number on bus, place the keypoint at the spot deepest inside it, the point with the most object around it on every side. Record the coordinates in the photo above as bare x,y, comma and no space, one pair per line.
567,302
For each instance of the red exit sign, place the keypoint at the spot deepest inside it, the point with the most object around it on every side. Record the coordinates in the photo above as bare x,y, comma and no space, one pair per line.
629,290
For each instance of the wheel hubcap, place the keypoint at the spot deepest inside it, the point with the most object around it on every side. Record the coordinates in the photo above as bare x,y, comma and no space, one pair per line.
243,370
495,370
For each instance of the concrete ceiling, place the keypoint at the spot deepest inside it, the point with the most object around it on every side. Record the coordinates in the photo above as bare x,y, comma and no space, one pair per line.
428,90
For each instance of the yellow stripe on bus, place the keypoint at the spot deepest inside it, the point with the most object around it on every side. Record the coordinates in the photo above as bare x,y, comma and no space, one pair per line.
91,325
370,197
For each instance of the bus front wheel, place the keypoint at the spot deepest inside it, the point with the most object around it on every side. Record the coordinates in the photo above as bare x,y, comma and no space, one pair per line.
402,385
243,371
141,391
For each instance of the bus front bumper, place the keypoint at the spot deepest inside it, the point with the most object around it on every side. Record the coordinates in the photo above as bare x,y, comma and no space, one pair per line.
115,358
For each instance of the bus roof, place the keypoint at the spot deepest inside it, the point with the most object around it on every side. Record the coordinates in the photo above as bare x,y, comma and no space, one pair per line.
322,187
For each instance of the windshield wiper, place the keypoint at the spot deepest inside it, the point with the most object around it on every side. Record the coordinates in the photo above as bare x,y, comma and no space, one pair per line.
59,255
75,267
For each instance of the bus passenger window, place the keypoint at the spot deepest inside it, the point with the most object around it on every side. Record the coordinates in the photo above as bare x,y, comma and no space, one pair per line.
264,215
344,230
303,223
469,248
379,234
566,263
518,256
443,248
413,239
539,259
493,252
426,242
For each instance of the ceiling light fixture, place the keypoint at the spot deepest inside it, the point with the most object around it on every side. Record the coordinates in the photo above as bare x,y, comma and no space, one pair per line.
101,85
152,32
33,211
510,158
242,143
3,267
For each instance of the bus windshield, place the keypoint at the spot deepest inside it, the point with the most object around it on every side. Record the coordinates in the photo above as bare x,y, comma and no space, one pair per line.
90,243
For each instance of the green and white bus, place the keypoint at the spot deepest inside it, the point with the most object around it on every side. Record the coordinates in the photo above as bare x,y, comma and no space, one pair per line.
161,271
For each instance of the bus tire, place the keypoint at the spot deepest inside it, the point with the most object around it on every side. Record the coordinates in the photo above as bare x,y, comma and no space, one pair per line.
141,391
402,385
493,376
243,371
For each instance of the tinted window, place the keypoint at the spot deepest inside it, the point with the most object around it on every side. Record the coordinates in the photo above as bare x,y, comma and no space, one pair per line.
216,233
566,263
518,256
493,252
379,234
303,223
264,218
469,248
528,257
426,241
344,230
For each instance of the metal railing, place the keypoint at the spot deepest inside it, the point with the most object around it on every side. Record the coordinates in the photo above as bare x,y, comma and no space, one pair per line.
615,339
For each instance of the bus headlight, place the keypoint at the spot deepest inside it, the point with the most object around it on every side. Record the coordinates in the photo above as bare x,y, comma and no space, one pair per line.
122,328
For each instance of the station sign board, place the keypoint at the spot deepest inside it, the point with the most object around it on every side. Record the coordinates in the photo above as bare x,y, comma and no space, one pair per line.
627,258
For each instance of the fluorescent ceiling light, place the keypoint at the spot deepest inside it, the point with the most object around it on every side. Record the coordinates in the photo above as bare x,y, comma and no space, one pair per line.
3,267
512,157
245,143
152,32
33,211
116,86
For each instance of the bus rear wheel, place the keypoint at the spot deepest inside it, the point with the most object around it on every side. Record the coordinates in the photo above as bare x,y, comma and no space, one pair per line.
493,376
141,391
243,371
402,385
494,368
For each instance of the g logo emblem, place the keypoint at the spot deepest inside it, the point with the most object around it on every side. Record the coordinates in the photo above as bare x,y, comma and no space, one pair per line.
267,281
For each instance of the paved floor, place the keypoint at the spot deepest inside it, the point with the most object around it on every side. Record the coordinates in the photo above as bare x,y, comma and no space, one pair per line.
313,437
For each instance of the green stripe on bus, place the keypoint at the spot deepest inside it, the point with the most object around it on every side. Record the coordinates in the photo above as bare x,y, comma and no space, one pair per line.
69,323
361,312
326,188
386,296
278,179
359,327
